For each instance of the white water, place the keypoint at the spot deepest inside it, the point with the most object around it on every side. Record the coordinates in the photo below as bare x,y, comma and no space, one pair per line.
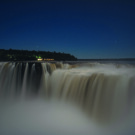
93,98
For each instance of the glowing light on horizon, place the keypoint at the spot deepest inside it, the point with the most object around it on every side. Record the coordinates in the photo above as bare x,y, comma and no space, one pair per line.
39,59
49,59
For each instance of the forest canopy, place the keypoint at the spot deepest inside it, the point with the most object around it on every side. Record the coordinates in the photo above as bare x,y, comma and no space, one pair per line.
24,55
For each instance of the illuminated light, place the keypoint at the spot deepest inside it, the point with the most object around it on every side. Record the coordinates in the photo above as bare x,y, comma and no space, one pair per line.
39,59
48,59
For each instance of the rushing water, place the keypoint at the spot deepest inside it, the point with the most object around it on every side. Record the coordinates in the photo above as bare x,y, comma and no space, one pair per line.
57,98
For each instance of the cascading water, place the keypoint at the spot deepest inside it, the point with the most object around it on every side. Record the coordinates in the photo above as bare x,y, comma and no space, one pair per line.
106,92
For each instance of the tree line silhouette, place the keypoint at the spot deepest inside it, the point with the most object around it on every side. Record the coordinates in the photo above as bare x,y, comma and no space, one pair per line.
24,55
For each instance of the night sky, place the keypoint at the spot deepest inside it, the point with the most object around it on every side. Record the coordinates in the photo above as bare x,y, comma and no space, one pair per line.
86,29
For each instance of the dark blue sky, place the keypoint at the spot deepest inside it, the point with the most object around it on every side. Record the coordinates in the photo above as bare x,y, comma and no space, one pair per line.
86,29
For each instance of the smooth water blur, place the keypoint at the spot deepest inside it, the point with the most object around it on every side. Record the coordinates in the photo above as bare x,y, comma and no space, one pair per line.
67,99
37,116
42,117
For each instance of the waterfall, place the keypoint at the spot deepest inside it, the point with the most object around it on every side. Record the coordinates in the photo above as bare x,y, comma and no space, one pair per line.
105,91
6,74
24,87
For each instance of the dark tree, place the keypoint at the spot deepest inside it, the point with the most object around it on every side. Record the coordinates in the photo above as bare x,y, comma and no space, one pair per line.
24,55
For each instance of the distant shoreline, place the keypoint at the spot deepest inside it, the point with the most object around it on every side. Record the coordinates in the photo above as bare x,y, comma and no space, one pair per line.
83,60
108,59
26,55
